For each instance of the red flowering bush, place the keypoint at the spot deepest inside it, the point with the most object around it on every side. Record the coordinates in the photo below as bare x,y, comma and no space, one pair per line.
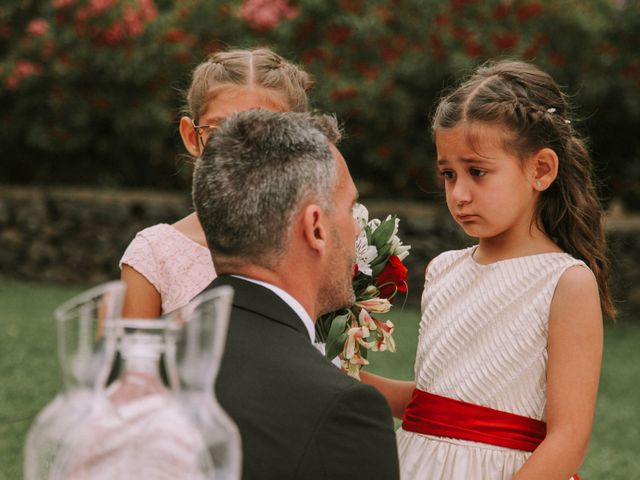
96,80
87,90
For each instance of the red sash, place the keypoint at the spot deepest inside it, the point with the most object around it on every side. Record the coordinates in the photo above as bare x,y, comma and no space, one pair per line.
445,417
431,414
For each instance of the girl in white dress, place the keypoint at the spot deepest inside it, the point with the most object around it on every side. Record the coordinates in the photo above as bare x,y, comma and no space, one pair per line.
165,266
510,344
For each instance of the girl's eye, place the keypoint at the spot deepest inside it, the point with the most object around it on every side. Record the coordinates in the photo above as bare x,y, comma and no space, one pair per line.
447,175
477,173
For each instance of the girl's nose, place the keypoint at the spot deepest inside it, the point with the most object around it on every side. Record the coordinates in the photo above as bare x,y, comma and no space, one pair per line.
460,193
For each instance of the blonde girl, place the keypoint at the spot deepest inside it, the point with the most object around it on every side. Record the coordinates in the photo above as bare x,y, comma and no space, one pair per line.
165,266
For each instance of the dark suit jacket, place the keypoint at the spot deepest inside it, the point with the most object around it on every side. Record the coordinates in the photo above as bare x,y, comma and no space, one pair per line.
299,416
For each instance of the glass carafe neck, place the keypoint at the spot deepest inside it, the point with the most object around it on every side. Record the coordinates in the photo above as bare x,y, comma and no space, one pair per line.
141,351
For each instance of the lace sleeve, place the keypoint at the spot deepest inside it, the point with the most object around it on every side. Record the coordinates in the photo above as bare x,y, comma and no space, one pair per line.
139,255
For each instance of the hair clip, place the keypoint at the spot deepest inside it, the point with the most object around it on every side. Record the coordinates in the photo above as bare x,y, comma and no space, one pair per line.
553,110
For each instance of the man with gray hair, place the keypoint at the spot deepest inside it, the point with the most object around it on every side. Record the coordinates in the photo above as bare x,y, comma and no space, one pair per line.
275,197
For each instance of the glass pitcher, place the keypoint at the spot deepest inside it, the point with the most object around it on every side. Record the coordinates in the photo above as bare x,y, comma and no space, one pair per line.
141,426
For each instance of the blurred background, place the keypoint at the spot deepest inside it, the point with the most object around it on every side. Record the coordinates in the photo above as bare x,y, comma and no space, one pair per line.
91,94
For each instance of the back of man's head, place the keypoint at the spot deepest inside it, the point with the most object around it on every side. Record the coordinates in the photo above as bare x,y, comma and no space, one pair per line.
257,170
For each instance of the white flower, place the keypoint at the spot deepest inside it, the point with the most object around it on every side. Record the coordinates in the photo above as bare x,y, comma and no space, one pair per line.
398,249
361,214
365,253
373,224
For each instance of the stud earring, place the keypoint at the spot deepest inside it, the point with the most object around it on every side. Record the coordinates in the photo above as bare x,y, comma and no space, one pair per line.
538,184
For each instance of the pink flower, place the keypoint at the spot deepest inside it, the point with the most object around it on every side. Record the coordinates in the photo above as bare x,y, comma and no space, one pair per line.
375,305
366,320
25,68
11,82
22,70
133,22
148,9
385,337
266,14
60,4
38,27
98,6
113,35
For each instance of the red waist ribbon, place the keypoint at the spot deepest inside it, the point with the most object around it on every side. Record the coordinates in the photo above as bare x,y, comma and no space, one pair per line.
431,414
445,417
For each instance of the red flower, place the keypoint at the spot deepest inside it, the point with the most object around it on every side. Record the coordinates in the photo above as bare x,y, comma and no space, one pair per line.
390,54
505,41
353,6
383,150
558,59
473,48
460,32
501,11
442,20
525,12
346,93
392,279
338,34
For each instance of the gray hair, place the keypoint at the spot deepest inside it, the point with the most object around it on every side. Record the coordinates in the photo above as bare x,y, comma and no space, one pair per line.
255,172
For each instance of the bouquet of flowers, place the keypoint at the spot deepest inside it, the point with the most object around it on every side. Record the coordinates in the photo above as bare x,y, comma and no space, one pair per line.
379,275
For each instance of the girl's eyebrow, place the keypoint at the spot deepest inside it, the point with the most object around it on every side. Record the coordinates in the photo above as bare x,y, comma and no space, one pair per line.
467,160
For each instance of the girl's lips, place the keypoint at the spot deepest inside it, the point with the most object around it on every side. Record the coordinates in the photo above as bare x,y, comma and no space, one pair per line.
466,217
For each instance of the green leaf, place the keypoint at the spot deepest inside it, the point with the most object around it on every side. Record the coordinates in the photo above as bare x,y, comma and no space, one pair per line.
383,255
378,267
336,337
383,233
323,323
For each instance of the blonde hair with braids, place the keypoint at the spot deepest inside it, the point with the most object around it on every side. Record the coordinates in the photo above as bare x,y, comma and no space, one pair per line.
530,105
260,68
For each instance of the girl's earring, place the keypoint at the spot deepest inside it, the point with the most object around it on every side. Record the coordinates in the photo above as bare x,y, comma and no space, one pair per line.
538,184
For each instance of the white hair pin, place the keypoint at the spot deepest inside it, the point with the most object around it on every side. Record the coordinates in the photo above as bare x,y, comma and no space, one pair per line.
553,110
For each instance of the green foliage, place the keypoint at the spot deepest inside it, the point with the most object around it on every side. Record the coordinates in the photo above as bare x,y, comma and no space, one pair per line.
89,91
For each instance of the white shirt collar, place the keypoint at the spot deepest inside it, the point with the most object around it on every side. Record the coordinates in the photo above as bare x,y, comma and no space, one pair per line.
289,300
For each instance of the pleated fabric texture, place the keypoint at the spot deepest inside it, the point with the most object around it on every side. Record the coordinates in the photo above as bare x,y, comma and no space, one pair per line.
483,340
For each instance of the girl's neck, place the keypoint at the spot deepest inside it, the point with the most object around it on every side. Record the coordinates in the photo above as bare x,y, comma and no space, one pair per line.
494,249
191,228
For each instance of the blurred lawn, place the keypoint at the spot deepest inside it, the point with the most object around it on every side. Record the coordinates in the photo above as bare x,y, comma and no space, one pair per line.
30,378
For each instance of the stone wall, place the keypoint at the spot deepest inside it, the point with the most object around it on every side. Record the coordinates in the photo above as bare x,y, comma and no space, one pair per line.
78,235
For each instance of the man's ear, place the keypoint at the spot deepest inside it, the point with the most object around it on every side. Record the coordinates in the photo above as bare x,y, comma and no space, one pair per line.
544,164
313,227
189,136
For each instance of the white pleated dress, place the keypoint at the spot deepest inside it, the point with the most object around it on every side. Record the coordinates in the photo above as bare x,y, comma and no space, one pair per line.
483,340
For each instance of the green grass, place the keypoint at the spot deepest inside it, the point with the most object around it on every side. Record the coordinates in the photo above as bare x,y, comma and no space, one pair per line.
30,378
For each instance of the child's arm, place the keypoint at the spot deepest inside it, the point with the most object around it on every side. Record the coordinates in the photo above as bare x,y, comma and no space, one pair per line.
575,355
397,392
141,300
